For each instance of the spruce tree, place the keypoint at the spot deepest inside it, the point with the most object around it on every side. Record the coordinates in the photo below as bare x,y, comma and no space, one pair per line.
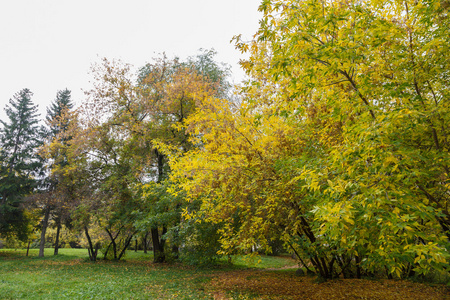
20,137
57,126
56,110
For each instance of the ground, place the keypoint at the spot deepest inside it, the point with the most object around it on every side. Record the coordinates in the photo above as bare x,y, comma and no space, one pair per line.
71,276
285,285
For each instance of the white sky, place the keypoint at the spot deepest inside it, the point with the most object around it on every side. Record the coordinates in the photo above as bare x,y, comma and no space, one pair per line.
49,45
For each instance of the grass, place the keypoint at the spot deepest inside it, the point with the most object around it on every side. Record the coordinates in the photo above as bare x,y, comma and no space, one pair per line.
262,262
70,275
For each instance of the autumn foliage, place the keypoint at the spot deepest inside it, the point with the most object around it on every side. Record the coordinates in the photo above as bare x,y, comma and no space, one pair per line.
340,145
335,147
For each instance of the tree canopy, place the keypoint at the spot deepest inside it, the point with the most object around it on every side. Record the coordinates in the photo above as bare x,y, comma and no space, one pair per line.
340,145
20,165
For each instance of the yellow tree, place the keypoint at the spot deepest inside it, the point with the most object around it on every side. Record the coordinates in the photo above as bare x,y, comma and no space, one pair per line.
341,140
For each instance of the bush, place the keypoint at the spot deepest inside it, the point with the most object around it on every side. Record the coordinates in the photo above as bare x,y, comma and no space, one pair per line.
199,243
13,243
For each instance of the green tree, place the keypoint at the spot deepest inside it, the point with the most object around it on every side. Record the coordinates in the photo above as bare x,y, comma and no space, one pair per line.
132,127
20,165
58,194
75,180
55,113
175,89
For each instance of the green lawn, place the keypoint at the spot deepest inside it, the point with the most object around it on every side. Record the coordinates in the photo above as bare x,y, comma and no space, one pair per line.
71,276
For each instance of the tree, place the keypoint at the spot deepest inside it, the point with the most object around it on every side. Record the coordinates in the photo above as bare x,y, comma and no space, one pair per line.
340,145
132,125
175,89
113,160
19,164
75,180
217,73
58,194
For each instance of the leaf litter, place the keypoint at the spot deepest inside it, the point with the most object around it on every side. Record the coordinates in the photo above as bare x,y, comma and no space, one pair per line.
285,285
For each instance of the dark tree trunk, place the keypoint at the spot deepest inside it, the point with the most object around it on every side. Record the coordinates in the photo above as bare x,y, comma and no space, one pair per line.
117,255
318,262
58,230
160,165
300,259
144,241
106,252
92,252
113,242
344,262
127,243
158,245
28,247
44,229
135,245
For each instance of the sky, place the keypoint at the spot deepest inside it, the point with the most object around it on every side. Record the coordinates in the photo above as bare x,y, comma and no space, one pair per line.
50,45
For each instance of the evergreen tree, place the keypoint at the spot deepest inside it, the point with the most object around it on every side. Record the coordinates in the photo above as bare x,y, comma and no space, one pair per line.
19,163
62,103
58,124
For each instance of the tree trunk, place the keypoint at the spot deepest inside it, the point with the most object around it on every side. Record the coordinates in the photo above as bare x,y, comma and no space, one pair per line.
160,165
105,257
44,229
28,247
158,246
92,252
58,229
300,259
113,242
317,260
145,242
127,243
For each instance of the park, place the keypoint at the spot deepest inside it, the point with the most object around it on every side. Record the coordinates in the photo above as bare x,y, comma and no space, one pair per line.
325,174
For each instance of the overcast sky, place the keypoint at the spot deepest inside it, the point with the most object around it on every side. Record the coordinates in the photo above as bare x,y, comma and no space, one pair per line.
49,45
